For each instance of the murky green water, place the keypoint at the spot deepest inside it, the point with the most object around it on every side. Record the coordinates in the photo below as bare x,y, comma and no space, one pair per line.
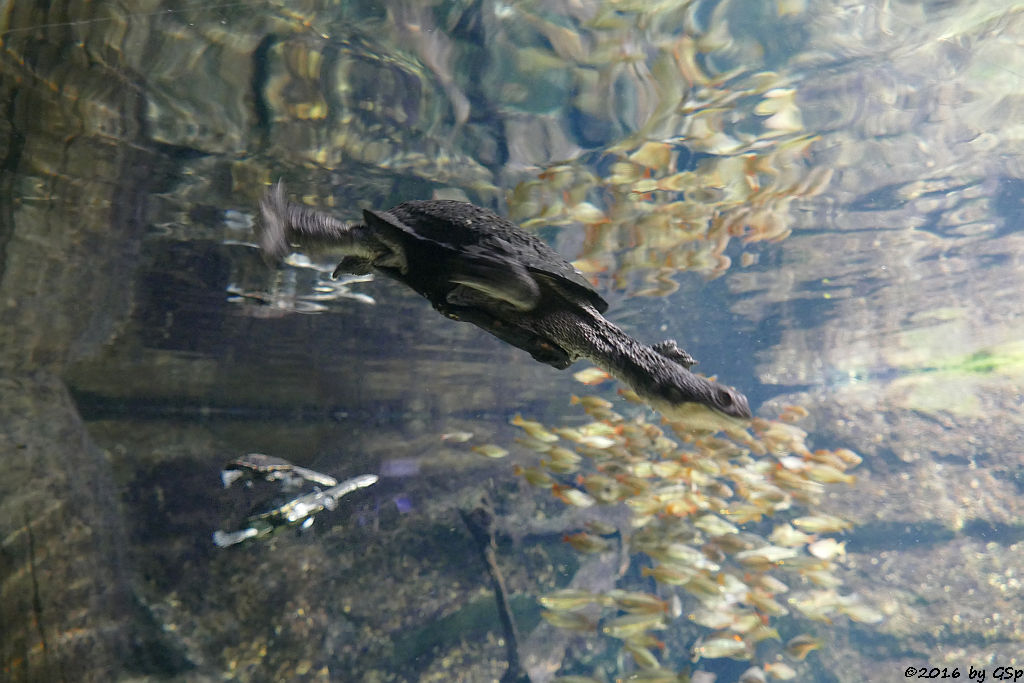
819,200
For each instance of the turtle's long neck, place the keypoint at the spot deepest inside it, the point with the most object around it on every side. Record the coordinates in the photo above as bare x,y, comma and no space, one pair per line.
661,381
593,337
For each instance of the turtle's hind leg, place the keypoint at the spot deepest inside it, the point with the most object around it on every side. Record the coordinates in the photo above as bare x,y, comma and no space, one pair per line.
285,224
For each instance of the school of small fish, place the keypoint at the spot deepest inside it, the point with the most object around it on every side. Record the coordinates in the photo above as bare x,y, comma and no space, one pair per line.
701,507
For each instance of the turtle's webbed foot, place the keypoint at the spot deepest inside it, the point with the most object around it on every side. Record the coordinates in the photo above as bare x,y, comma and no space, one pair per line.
285,225
273,228
669,349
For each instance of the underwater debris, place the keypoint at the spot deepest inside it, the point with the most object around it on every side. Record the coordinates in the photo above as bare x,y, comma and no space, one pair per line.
480,522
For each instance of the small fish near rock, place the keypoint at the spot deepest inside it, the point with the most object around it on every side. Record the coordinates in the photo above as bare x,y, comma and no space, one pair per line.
475,266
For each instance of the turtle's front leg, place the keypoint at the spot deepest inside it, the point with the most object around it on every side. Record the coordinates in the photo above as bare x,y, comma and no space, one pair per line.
669,349
285,225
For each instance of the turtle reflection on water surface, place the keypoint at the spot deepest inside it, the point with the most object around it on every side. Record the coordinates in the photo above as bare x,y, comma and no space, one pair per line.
476,266
269,468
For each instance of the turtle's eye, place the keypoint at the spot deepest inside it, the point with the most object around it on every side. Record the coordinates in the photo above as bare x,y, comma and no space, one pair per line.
725,398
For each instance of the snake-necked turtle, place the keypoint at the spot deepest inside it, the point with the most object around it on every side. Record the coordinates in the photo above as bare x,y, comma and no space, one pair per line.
298,511
476,266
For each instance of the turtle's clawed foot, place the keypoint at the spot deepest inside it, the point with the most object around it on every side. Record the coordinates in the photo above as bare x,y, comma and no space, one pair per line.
669,349
353,265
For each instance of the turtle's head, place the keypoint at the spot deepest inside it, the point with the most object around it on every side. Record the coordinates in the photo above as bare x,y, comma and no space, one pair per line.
667,385
697,389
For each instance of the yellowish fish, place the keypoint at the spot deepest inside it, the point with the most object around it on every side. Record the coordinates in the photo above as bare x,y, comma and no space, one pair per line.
591,376
655,155
762,632
571,621
572,496
714,617
826,474
723,646
822,524
457,437
780,671
587,543
533,444
667,574
638,602
766,604
633,625
591,402
848,456
769,554
570,433
595,441
853,607
752,675
490,450
569,599
630,396
785,534
742,513
643,657
563,457
704,588
653,676
599,429
534,476
603,489
799,646
534,429
827,548
715,525
601,528
822,578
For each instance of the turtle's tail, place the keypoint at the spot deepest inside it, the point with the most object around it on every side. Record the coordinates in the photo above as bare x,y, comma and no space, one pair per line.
285,224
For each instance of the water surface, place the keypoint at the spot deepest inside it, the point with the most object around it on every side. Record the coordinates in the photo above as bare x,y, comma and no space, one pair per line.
819,200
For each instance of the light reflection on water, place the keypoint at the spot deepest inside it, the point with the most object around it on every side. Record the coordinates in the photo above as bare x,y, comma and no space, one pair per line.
826,215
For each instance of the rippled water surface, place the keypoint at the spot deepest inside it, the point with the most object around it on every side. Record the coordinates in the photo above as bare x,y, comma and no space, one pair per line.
820,201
